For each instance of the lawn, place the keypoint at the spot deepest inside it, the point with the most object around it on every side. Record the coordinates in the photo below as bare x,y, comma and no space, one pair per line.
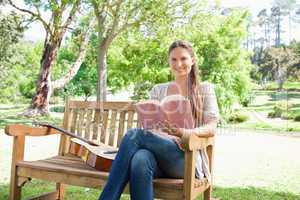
288,85
263,103
257,175
9,114
233,193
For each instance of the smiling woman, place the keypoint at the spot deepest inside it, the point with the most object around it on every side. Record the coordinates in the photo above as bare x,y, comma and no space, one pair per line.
145,154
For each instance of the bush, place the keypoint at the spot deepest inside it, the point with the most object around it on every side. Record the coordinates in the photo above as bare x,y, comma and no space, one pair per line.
27,88
55,100
238,117
59,109
287,116
297,118
280,109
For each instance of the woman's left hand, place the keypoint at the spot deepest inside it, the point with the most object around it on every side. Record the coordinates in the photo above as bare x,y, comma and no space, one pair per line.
172,130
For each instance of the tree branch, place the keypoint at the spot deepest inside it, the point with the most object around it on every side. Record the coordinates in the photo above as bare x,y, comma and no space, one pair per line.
70,17
34,15
76,65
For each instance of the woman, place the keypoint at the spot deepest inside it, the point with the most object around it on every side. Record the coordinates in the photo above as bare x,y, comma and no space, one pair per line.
144,154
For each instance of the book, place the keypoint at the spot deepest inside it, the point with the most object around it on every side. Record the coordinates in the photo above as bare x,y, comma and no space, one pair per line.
175,109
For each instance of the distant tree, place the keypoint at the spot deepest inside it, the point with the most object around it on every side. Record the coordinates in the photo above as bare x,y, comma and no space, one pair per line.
276,19
11,31
286,8
280,62
264,23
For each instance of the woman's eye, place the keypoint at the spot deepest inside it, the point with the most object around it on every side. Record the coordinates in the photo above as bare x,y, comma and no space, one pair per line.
184,58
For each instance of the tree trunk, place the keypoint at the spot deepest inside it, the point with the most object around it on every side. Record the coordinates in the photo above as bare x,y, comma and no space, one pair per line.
102,70
40,101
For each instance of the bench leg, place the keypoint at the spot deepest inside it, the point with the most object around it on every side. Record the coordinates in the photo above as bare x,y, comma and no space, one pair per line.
207,193
15,190
60,189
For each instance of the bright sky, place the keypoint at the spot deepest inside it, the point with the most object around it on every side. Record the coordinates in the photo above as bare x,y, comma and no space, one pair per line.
36,31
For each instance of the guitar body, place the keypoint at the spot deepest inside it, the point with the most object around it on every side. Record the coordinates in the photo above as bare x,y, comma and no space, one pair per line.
98,156
94,156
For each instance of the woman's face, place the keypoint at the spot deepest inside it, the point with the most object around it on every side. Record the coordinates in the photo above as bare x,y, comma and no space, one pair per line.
180,62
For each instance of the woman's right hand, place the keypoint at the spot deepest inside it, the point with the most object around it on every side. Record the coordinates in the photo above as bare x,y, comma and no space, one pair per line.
177,140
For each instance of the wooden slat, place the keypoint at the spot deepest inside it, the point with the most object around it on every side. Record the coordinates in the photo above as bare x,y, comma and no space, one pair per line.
96,126
106,105
104,132
74,120
70,119
138,125
121,127
80,122
64,140
112,129
130,119
88,124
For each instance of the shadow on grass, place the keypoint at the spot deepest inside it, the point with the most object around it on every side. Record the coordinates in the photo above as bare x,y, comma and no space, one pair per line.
6,120
284,96
74,193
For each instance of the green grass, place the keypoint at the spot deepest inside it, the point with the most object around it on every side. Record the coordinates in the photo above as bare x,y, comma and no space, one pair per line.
9,114
74,193
263,104
289,85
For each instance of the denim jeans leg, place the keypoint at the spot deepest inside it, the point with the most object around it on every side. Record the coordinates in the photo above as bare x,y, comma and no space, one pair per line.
168,156
119,172
143,169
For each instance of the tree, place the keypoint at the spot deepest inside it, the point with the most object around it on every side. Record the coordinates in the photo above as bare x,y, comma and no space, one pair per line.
11,30
115,17
280,62
217,40
264,23
276,18
287,6
55,28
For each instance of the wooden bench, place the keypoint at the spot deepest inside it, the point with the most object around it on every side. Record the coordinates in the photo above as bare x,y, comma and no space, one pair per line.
83,118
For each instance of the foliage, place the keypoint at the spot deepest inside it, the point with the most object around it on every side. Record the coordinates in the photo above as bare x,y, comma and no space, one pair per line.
11,30
224,63
22,73
279,109
217,40
138,57
238,117
297,118
279,63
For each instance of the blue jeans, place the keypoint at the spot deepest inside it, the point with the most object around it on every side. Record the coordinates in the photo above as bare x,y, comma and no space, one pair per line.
142,156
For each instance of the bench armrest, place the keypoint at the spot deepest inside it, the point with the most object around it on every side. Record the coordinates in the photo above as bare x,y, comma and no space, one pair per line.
24,130
193,142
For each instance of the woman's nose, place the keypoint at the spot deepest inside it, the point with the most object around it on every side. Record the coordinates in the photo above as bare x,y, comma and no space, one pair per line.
179,64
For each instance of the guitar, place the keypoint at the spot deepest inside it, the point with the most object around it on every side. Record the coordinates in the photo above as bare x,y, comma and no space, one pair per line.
96,155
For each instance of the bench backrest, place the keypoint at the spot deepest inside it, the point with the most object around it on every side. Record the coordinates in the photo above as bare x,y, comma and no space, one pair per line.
104,122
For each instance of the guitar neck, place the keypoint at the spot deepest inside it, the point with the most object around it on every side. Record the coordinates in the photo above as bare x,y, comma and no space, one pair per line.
68,133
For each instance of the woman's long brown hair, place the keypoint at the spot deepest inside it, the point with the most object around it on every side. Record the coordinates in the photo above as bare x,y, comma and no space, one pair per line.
193,82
